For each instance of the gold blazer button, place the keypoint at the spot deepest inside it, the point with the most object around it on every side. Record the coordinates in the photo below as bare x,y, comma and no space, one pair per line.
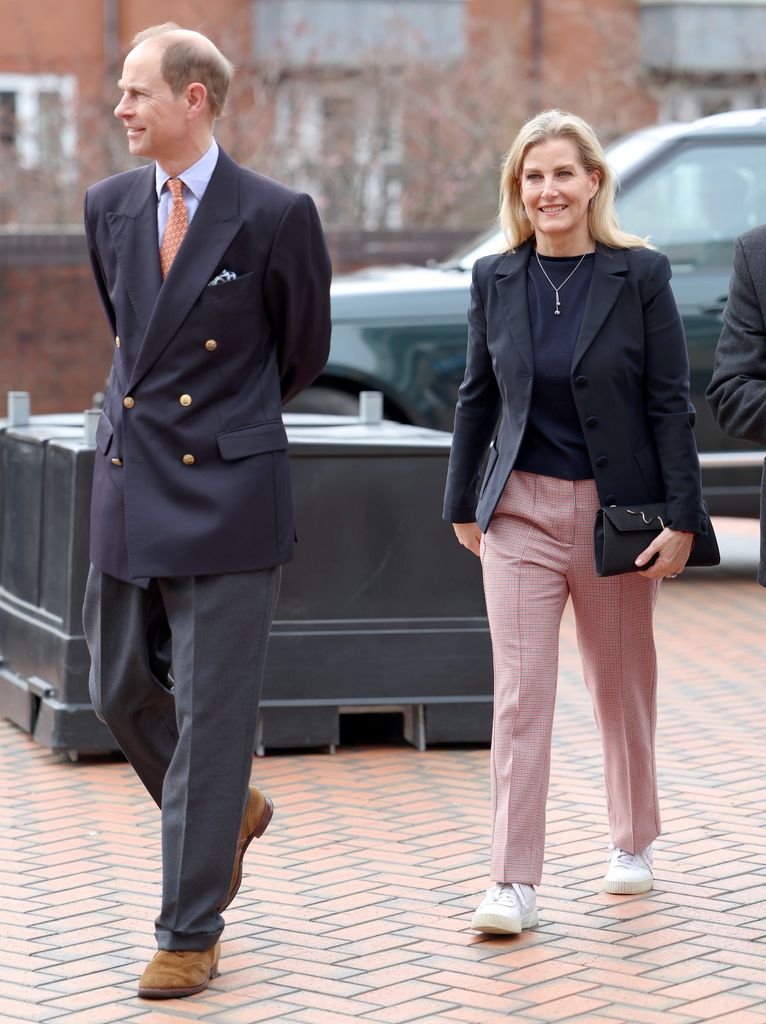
185,400
188,460
128,402
211,345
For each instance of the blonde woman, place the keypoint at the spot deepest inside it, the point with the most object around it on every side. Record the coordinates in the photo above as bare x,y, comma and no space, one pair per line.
577,391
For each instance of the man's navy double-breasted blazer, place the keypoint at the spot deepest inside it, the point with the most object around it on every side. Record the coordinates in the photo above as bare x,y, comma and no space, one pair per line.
191,473
629,377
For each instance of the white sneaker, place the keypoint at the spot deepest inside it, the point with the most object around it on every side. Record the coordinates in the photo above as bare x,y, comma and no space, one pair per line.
507,908
628,873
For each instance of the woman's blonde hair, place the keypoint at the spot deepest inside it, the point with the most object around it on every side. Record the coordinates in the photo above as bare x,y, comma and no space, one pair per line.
602,217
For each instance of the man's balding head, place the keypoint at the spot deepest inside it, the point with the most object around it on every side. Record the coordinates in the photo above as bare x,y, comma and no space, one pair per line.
174,84
188,57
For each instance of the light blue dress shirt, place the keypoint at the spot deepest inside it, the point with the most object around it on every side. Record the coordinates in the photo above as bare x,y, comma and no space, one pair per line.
195,178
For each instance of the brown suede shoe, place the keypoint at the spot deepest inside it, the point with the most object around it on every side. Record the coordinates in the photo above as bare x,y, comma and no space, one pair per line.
258,813
173,973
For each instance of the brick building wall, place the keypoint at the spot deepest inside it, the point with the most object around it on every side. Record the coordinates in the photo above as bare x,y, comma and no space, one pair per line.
545,41
580,55
82,44
591,63
55,340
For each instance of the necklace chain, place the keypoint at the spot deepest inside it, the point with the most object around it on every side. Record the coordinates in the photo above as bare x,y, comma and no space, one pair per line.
556,311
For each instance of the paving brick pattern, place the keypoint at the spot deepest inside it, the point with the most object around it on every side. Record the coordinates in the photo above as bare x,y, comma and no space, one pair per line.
356,904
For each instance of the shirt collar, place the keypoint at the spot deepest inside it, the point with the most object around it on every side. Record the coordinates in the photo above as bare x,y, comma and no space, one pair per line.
196,178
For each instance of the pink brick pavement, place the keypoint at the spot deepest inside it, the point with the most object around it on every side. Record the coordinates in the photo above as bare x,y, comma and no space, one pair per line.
356,904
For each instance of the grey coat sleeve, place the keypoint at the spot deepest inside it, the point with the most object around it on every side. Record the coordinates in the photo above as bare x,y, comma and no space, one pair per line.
737,391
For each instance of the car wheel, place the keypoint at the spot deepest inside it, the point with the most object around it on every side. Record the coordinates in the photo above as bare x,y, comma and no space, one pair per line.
325,400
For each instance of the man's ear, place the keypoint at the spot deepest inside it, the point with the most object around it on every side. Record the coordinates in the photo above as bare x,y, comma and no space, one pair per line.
195,94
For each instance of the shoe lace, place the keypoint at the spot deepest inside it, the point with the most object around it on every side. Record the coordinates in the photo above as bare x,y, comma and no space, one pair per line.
509,894
621,858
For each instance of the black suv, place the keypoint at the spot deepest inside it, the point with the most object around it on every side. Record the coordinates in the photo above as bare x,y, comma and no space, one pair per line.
692,188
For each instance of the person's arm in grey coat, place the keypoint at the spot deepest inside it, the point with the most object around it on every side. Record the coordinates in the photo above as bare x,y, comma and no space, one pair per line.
737,391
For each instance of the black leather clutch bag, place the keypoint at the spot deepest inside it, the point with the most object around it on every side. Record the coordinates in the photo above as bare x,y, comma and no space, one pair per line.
622,532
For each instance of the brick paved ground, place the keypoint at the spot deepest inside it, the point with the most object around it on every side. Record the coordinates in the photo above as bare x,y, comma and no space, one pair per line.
356,904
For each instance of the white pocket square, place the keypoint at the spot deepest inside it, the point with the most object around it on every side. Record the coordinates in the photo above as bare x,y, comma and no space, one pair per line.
222,278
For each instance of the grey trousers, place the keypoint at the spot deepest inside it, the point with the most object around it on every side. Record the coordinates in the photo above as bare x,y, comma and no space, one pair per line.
176,675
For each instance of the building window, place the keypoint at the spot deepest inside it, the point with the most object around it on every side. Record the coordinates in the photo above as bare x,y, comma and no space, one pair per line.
7,119
338,33
338,125
49,121
37,119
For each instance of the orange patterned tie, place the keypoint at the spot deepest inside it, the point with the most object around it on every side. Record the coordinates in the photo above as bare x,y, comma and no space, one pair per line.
177,226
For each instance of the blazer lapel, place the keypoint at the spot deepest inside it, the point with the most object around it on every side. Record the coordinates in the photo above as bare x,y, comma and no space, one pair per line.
511,281
214,225
133,230
608,279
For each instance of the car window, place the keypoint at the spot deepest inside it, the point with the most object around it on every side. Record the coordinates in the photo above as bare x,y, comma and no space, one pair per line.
631,150
694,204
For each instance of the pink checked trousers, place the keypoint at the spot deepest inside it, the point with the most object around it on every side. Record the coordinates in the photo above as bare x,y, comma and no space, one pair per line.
537,551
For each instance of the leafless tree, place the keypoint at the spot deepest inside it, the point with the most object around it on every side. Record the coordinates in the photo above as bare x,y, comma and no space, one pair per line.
398,139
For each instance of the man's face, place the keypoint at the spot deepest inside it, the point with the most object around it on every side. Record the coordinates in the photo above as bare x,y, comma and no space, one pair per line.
155,120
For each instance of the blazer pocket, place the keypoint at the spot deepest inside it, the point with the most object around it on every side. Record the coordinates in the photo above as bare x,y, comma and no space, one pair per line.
227,289
104,434
256,439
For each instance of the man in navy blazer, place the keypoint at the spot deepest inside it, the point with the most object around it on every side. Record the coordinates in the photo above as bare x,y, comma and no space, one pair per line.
191,513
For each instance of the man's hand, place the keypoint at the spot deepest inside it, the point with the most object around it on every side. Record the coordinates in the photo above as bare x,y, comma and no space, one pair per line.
469,536
672,549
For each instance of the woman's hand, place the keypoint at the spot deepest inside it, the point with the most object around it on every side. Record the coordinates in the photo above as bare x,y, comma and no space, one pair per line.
469,536
672,549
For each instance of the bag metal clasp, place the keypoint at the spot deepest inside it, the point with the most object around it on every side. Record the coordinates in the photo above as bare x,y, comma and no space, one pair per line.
649,521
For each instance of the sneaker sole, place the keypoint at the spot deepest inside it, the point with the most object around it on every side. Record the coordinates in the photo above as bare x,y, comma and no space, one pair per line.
498,924
625,888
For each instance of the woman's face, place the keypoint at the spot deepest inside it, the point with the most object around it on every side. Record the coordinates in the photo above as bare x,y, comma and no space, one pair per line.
555,191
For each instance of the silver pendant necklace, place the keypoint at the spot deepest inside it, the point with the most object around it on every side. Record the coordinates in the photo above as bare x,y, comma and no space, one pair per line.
557,311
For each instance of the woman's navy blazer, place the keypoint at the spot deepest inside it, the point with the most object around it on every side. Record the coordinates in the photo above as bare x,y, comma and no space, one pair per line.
630,381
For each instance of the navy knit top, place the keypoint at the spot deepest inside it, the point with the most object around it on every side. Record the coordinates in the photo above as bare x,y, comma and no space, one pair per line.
553,443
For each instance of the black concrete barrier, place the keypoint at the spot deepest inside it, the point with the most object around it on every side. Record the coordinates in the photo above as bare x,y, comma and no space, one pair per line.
380,611
45,479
